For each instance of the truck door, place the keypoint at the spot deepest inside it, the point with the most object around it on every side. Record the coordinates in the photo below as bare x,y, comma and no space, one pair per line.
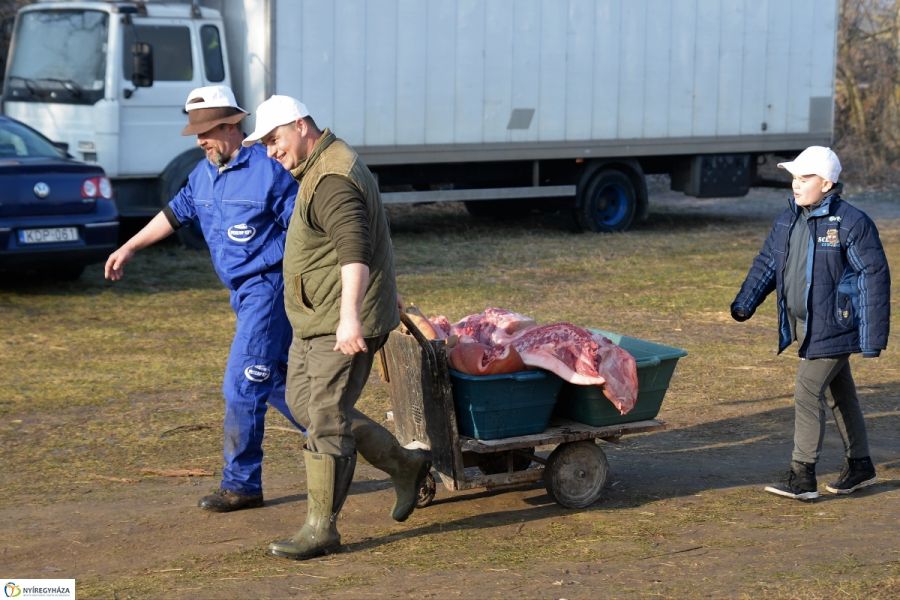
152,117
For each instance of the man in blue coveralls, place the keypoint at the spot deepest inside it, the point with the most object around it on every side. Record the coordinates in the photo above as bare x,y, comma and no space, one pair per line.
243,201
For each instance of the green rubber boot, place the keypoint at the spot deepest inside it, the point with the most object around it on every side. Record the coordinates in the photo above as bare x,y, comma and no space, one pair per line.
328,480
407,468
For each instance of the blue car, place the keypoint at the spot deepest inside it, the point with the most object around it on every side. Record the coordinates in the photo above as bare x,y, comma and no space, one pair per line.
57,215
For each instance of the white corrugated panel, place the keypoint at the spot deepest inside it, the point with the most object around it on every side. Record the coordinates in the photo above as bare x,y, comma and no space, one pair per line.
498,72
579,72
680,99
730,72
551,107
605,123
400,72
706,68
777,69
657,41
753,79
470,64
441,76
346,112
412,64
526,63
799,59
632,77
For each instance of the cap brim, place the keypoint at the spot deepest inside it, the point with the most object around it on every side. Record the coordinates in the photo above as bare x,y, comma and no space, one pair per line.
257,135
198,128
790,167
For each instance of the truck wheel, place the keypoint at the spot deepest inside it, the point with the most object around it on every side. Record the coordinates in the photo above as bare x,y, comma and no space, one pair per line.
606,201
172,180
576,473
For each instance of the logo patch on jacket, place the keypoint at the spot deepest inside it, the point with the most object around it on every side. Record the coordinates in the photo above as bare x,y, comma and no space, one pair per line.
257,373
830,238
241,233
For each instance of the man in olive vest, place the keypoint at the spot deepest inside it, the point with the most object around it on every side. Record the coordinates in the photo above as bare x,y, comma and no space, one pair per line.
341,299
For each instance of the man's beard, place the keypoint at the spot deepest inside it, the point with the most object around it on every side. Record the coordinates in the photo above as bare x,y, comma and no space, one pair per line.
217,158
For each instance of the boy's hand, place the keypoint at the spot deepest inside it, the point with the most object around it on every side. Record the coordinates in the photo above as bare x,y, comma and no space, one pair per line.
739,313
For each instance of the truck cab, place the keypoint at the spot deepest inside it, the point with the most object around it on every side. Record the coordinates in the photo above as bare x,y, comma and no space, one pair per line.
71,75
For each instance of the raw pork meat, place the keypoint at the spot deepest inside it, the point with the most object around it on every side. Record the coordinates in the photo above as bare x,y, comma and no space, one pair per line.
479,359
501,341
580,357
620,371
493,326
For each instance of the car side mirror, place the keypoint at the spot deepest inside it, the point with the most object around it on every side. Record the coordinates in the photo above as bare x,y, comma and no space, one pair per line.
142,64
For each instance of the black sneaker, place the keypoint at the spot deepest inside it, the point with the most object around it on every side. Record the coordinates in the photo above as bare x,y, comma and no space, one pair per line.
227,501
857,474
799,483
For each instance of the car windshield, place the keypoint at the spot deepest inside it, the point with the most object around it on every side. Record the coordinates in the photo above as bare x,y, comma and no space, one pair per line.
59,56
17,141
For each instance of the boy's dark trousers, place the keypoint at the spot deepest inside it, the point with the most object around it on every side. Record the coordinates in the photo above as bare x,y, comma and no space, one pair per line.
815,377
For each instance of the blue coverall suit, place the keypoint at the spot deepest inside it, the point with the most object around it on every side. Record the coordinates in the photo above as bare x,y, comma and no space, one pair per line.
244,212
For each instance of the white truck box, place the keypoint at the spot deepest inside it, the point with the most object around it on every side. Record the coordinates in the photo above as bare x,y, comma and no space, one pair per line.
469,99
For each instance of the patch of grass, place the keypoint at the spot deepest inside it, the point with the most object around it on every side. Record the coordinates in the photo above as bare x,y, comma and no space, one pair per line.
102,381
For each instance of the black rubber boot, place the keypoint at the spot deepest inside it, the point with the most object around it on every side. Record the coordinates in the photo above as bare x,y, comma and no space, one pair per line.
328,480
857,474
799,483
407,468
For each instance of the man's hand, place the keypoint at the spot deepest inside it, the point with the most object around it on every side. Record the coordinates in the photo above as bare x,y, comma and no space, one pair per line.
739,313
115,264
349,337
157,229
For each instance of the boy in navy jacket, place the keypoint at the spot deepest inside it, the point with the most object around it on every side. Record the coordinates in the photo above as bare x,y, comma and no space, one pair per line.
824,260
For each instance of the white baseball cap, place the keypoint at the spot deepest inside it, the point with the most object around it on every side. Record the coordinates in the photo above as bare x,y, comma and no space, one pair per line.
815,160
275,112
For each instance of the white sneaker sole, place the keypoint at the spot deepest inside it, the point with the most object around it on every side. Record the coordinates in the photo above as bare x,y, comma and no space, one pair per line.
858,486
803,496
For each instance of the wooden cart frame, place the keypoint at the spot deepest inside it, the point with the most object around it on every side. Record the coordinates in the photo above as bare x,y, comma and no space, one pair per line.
417,372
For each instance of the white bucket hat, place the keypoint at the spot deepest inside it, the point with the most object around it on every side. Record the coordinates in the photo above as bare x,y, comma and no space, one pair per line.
275,112
210,106
815,160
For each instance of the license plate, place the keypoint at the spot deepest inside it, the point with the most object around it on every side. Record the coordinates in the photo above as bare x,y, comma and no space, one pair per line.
48,235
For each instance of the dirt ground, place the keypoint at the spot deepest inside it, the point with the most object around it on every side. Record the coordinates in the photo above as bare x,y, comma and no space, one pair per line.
683,515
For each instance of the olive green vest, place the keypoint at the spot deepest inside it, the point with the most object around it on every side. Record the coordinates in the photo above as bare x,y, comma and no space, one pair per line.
312,274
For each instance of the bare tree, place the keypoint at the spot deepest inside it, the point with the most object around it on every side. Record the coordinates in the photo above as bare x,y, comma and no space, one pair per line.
867,94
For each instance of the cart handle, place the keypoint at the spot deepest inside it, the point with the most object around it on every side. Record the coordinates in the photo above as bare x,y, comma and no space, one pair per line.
420,337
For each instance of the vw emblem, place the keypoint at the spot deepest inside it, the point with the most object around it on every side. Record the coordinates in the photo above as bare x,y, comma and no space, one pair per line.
41,189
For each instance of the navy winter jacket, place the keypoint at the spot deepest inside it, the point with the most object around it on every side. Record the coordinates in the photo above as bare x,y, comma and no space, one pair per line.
848,283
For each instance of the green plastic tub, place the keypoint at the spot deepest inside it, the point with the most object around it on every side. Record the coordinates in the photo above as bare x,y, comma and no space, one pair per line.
489,407
655,365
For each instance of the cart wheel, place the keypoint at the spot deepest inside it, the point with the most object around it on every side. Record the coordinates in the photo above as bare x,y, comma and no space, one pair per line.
491,464
426,491
576,473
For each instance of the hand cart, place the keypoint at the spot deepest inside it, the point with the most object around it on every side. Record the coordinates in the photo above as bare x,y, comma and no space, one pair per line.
417,372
